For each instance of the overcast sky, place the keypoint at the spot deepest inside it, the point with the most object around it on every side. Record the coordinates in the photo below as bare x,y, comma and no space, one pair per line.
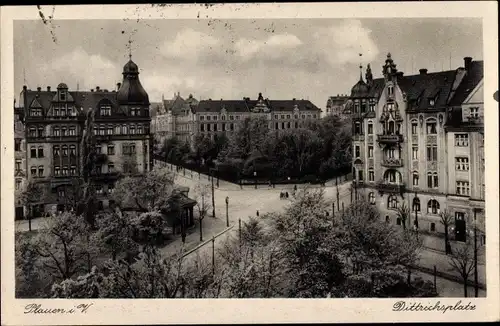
283,59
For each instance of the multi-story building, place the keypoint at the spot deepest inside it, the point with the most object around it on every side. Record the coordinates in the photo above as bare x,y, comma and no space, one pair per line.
55,121
418,140
20,160
337,105
176,119
223,116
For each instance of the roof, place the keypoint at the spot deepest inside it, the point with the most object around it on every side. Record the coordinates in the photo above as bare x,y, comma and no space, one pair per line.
178,104
438,86
471,79
246,105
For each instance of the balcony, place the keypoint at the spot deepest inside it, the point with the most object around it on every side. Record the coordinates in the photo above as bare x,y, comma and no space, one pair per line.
390,139
385,186
392,162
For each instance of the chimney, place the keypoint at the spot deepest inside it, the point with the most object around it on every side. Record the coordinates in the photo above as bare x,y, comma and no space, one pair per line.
423,71
467,62
97,88
118,85
39,88
48,88
25,87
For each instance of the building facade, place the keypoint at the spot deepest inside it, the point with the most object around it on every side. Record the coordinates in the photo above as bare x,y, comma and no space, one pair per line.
419,140
224,116
176,118
55,122
19,160
337,105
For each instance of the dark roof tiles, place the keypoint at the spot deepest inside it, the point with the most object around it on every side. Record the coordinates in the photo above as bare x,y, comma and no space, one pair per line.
240,106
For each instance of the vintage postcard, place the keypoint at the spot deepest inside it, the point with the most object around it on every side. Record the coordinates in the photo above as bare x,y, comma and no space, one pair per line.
249,163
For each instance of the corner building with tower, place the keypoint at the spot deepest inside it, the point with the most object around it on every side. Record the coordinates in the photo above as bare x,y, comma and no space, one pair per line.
55,122
419,140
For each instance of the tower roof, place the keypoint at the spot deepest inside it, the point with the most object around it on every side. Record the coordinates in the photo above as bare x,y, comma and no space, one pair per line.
131,90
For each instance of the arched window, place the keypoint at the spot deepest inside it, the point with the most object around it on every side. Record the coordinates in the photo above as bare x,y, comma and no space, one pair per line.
415,178
132,129
118,130
357,128
64,150
392,176
124,130
371,198
57,131
433,207
392,202
72,150
416,204
110,129
431,126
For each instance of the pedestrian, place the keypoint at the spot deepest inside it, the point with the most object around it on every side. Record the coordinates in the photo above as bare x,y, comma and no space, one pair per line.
257,213
286,195
294,188
281,195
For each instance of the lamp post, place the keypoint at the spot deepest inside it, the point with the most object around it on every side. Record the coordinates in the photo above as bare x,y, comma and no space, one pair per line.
255,178
213,197
416,214
227,211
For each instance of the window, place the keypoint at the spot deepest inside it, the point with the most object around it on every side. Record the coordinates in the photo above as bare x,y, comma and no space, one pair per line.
40,151
372,106
357,151
18,165
33,171
414,128
132,148
416,205
276,125
463,188
231,117
72,150
462,163
62,96
98,149
33,152
40,171
390,107
40,132
371,175
65,170
73,170
370,151
432,102
209,126
56,151
64,150
371,198
111,149
431,127
288,116
392,202
357,128
32,132
63,131
202,127
360,175
433,207
459,216
432,180
303,116
391,153
99,190
139,129
124,130
72,131
60,192
390,90
111,167
462,140
18,184
414,152
432,153
215,127
223,117
231,126
110,130
98,169
132,129
356,106
433,227
387,219
36,112
415,179
370,128
209,117
474,112
105,110
111,188
202,117
57,171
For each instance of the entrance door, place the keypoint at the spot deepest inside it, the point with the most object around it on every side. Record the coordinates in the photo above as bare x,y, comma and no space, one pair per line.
460,227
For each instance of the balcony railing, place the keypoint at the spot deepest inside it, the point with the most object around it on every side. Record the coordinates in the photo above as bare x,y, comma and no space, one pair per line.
390,139
385,186
392,162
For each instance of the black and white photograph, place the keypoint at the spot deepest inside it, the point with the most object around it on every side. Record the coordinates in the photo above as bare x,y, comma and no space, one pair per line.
206,157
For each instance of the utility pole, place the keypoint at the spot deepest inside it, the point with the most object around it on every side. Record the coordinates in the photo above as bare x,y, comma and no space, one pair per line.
227,211
333,211
213,255
476,283
213,197
239,231
338,195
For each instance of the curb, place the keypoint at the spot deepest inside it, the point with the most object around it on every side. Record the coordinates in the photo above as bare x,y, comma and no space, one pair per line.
207,241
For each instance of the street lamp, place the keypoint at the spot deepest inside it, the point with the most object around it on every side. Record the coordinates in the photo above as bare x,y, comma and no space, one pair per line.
255,178
213,197
475,224
227,211
416,213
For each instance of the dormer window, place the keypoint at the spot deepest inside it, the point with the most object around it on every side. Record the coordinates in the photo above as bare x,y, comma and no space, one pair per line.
474,112
372,106
105,111
390,107
432,102
62,96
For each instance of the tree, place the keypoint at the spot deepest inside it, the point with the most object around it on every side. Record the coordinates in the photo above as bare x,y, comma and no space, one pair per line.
203,194
66,246
148,227
403,213
153,191
447,220
461,260
33,194
115,233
